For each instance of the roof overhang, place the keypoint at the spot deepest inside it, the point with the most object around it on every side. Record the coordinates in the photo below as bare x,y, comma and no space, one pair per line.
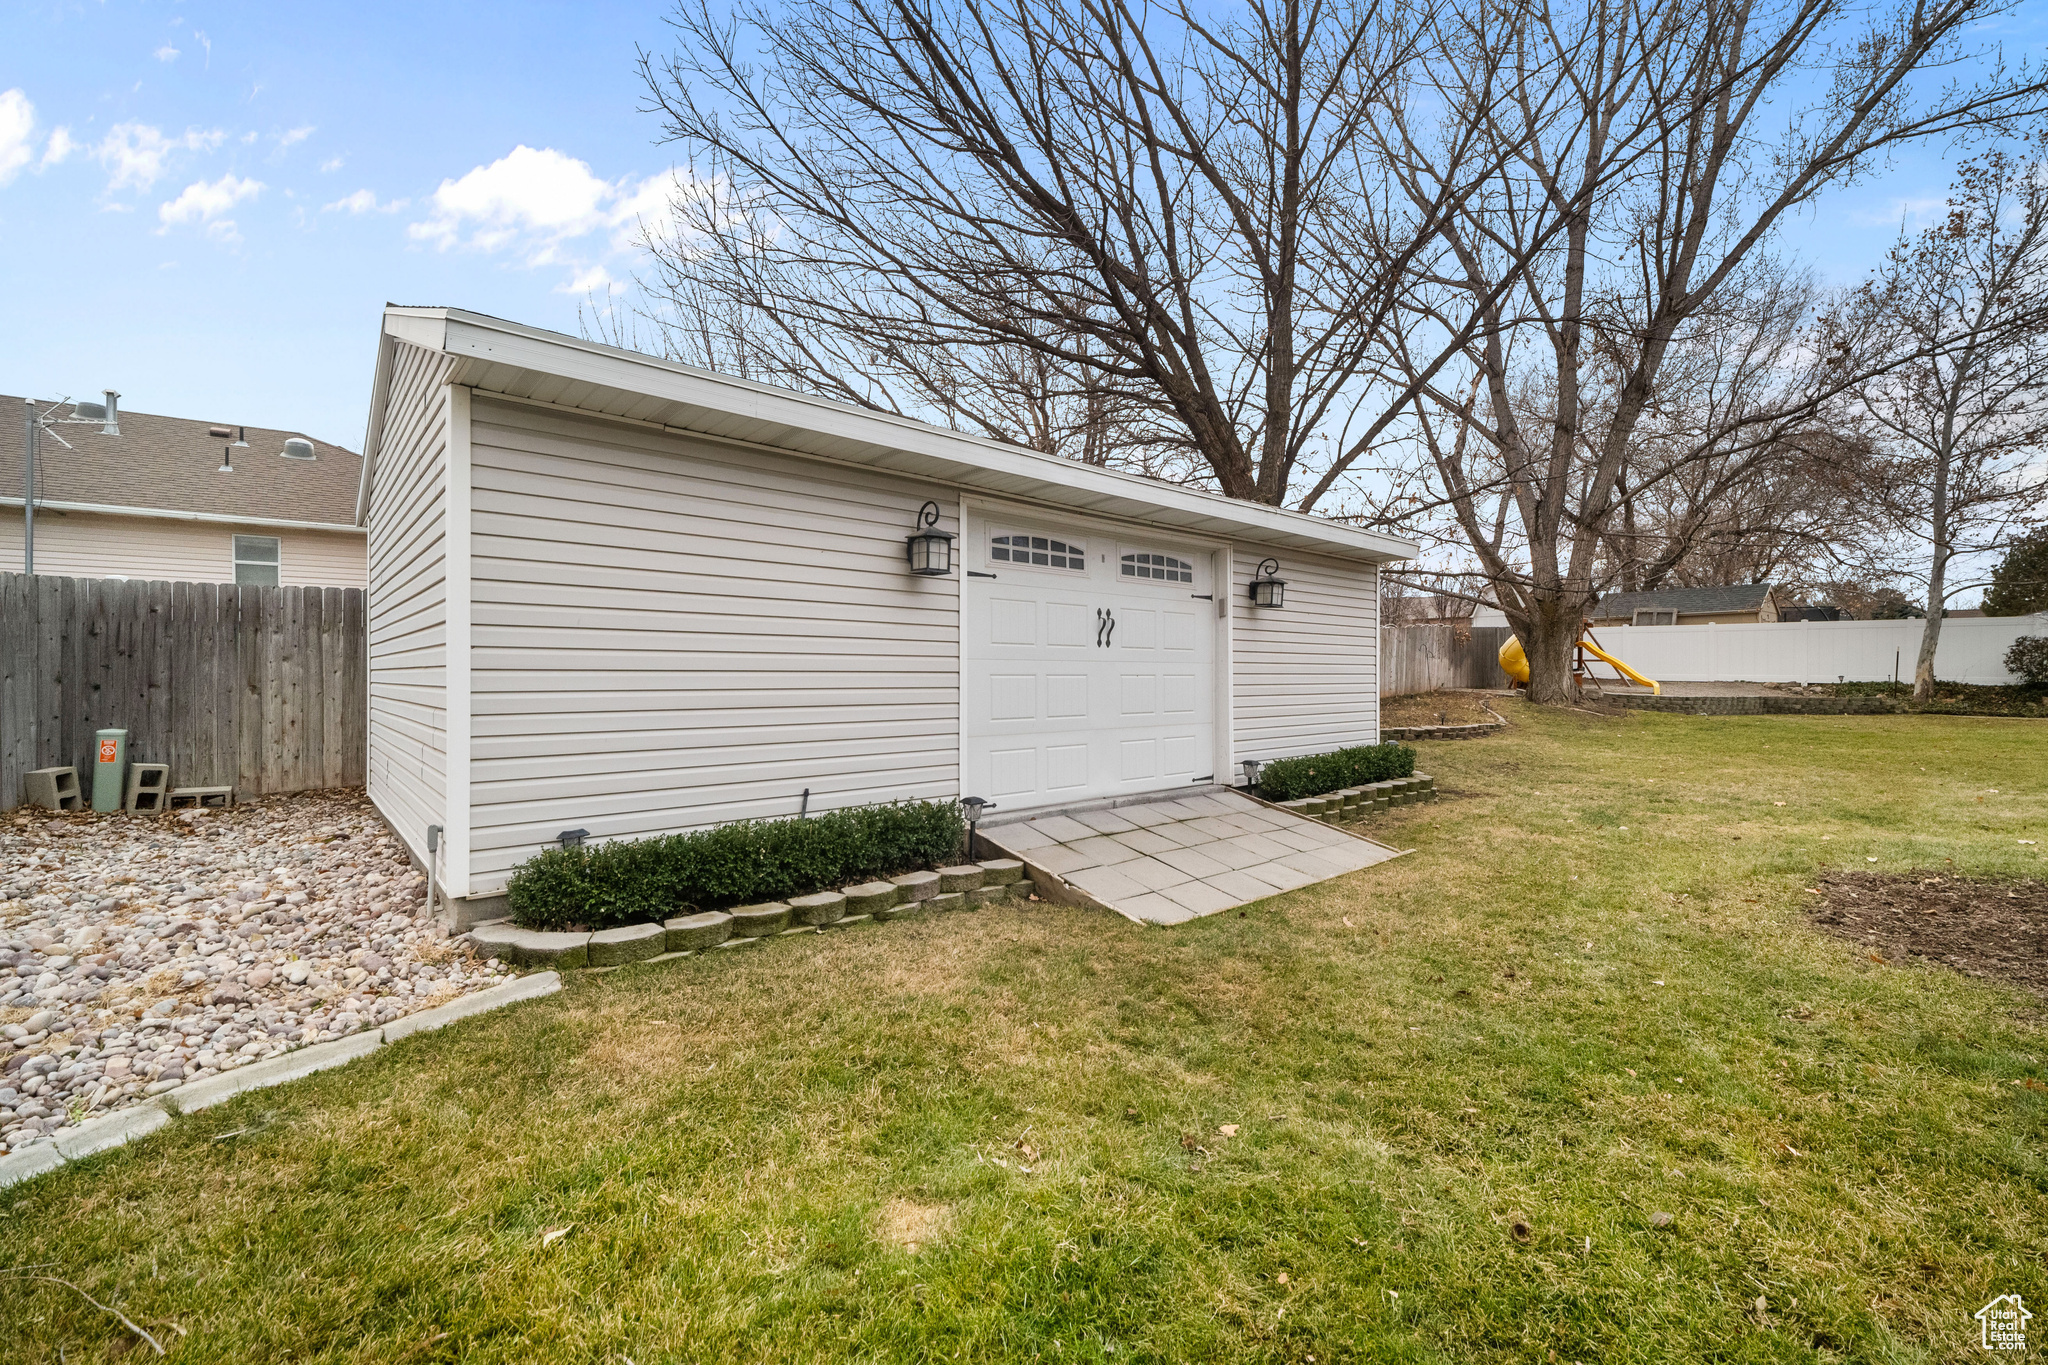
174,514
495,357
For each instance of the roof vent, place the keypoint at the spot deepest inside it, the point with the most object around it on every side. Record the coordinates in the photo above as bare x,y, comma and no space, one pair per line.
220,431
94,412
298,448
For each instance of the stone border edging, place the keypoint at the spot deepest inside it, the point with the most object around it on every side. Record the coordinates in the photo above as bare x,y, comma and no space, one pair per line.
125,1125
966,886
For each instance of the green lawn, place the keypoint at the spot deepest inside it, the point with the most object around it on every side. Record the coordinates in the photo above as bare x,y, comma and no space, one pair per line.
1589,996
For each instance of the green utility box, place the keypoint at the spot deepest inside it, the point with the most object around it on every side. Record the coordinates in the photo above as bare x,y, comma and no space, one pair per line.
110,767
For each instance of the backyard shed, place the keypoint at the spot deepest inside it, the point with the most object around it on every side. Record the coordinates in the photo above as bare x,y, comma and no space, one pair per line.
617,594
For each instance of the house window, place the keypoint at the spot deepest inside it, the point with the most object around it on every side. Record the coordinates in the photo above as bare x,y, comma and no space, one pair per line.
256,560
1044,552
1649,616
1164,568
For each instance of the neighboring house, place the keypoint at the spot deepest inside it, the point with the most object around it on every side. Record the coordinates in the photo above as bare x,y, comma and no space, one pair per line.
1746,604
140,495
617,594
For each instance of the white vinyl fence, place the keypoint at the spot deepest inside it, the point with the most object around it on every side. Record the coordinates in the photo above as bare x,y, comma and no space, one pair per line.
1972,650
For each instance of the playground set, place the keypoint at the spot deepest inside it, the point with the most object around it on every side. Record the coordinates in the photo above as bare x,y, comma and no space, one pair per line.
1515,664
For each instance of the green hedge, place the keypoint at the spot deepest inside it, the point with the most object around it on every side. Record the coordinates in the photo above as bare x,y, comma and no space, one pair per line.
1287,779
642,880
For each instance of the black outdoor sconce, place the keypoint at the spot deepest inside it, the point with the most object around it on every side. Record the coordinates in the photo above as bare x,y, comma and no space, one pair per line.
930,551
1268,589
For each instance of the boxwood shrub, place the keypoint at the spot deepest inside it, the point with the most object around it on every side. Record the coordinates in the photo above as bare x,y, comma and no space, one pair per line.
634,881
1286,779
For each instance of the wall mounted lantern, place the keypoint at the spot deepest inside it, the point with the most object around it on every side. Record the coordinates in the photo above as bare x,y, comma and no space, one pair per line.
930,551
1268,588
572,838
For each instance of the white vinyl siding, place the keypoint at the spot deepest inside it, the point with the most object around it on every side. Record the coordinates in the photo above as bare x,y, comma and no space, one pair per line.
107,545
1305,676
408,600
669,634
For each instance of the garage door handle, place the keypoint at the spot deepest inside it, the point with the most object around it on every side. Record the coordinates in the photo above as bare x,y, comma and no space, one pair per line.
1203,596
1098,627
1112,627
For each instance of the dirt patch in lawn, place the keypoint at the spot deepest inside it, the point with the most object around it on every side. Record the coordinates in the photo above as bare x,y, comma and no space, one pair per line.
909,1225
1995,929
1424,708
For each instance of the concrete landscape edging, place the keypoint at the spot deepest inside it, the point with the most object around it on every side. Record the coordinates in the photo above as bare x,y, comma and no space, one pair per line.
125,1125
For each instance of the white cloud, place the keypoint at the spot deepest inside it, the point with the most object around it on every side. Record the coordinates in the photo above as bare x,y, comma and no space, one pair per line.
167,53
595,280
17,133
331,165
59,149
208,204
363,201
295,136
548,207
136,152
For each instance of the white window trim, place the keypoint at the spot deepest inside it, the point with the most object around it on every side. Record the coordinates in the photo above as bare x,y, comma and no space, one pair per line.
235,560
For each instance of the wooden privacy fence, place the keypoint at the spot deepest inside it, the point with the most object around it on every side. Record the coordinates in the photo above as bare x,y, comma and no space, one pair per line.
1425,658
263,688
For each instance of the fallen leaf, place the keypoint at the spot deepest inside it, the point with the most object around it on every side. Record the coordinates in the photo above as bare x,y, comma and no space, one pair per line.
1660,1219
554,1235
1283,1277
2031,1084
1131,1116
1227,1129
1026,1150
1760,1305
1187,1142
1777,803
1349,925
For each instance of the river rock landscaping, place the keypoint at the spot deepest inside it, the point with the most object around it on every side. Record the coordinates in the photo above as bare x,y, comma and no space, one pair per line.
142,952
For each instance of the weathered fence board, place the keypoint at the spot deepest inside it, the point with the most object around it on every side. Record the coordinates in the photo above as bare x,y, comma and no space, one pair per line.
1426,658
262,688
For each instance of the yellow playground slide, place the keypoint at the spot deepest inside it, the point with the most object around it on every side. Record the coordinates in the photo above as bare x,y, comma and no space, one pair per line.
1515,664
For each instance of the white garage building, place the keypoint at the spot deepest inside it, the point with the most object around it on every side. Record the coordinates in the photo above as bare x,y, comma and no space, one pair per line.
614,593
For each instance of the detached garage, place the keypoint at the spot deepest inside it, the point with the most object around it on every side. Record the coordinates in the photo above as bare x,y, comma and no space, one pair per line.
615,594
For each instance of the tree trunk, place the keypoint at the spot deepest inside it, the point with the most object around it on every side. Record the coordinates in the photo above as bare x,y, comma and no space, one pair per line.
1930,635
1551,633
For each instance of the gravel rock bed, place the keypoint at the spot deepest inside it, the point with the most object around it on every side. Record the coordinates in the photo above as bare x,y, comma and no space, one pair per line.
142,952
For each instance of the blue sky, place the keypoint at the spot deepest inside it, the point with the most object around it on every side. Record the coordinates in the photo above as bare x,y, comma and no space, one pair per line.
205,206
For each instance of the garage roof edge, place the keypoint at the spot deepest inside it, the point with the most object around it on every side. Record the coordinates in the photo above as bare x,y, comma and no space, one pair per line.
497,356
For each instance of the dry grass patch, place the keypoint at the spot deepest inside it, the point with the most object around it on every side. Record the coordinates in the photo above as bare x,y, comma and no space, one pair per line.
911,1226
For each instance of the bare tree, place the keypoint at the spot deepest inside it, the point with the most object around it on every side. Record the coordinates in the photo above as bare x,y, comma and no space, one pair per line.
1623,197
1150,235
1964,416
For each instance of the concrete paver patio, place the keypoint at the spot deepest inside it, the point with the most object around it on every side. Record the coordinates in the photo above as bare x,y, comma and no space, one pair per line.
1173,859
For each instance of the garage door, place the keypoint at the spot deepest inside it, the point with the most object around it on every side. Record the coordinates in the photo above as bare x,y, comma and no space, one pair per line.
1090,668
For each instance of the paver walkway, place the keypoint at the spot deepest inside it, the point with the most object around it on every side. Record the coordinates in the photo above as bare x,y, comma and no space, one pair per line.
1166,861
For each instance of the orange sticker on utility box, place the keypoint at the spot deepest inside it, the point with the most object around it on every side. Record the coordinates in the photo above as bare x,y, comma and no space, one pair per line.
109,748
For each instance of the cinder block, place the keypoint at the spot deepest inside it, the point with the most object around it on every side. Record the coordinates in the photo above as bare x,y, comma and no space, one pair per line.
210,798
149,788
52,789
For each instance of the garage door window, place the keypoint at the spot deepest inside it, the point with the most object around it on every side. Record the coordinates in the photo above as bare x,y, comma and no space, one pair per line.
1160,568
1043,552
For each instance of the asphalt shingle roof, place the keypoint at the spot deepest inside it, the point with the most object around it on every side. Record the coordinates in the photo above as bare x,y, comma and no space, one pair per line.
1685,601
172,464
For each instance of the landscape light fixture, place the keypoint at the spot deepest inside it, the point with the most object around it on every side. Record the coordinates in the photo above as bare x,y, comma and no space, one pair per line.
1269,589
1251,771
572,838
974,806
930,550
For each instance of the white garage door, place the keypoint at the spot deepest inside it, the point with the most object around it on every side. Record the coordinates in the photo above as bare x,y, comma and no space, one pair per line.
1090,667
